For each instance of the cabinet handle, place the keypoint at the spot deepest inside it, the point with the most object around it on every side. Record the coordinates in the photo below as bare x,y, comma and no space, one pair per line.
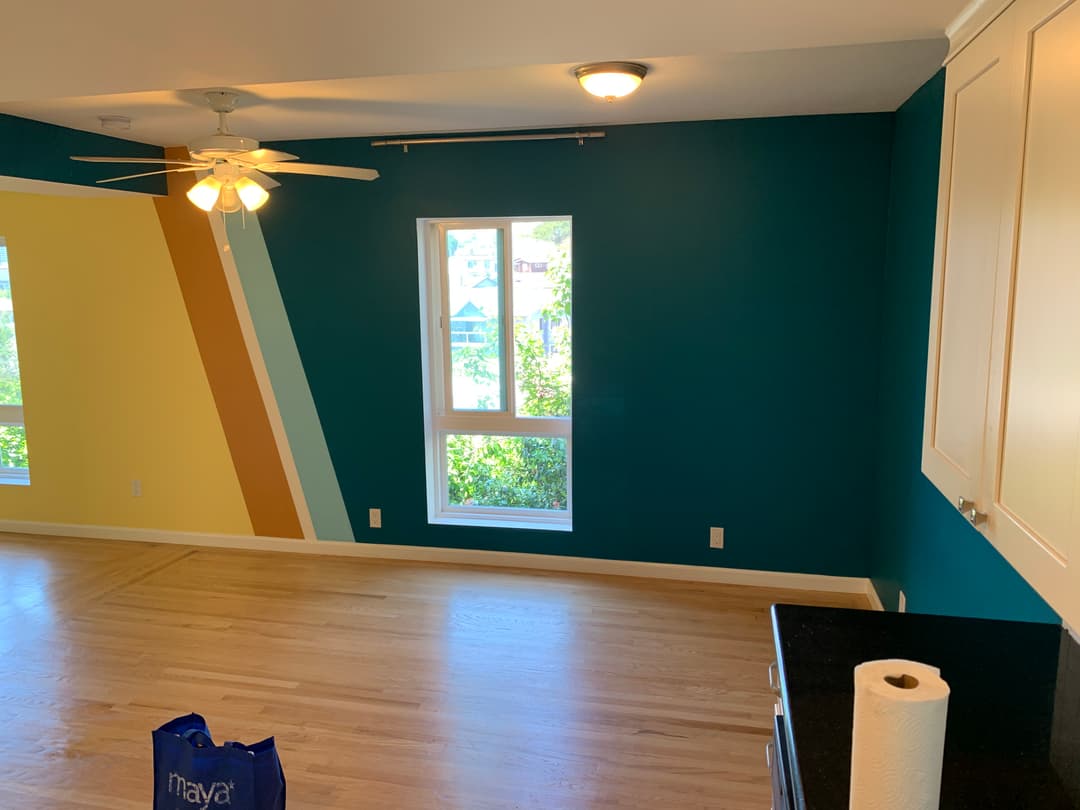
774,680
971,512
768,754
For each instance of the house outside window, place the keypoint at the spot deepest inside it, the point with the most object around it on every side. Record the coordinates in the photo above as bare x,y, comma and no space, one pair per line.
497,370
467,326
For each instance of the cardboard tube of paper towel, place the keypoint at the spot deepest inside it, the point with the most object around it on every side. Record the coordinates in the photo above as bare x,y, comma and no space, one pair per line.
898,736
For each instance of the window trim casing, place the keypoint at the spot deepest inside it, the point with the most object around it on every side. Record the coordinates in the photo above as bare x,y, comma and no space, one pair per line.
12,415
440,419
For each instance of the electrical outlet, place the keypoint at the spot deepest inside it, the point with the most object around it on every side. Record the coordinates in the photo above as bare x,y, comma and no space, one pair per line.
375,518
902,608
716,537
136,488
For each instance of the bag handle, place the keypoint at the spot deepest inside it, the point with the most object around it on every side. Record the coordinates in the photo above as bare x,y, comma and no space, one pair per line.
198,738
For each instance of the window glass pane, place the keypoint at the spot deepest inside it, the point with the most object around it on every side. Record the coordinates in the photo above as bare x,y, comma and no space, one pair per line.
522,472
475,303
541,273
13,446
10,389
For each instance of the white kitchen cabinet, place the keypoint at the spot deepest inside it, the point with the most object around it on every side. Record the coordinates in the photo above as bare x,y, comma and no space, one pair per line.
1002,424
978,175
1032,465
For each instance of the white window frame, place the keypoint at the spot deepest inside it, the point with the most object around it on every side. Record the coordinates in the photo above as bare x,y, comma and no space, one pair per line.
440,419
12,415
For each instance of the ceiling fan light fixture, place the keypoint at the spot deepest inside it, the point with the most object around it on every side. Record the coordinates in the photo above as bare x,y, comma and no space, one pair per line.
252,195
205,193
237,167
611,80
229,201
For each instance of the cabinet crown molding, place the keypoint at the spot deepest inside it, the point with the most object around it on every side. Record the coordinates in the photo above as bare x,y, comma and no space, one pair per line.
971,20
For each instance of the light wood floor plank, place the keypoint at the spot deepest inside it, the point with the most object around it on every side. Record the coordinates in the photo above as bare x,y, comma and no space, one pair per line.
388,685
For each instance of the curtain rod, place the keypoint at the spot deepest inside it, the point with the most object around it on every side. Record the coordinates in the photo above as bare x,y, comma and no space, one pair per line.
580,137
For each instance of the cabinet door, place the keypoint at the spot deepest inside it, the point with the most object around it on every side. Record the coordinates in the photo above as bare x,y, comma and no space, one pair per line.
978,177
1033,438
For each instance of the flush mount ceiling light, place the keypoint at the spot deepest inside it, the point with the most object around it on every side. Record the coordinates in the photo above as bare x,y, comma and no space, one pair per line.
611,80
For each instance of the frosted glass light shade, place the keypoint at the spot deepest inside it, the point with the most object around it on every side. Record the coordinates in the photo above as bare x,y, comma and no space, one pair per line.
611,80
205,193
252,195
229,201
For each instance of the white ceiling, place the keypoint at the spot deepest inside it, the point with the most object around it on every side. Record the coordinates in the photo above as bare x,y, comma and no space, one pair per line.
335,68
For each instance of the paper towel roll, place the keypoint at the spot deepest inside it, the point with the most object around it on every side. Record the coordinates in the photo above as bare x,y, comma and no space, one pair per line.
898,737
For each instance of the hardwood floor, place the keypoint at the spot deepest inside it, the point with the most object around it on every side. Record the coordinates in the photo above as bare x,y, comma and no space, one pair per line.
388,685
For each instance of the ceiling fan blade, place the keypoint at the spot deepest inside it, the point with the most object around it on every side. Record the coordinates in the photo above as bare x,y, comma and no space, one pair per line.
136,160
347,172
147,174
263,156
266,182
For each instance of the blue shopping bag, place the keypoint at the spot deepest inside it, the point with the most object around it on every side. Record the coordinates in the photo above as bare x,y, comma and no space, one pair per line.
192,773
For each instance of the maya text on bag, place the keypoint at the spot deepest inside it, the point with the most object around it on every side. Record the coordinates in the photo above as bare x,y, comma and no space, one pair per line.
219,793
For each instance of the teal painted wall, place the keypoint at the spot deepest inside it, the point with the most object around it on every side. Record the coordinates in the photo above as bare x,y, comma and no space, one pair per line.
726,297
40,151
922,544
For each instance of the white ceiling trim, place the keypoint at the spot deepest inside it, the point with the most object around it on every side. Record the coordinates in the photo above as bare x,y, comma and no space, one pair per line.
971,21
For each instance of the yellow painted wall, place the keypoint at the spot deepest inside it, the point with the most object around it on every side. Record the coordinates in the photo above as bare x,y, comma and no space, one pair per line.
113,387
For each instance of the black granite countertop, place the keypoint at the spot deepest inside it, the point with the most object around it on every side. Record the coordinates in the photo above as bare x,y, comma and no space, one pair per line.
1002,678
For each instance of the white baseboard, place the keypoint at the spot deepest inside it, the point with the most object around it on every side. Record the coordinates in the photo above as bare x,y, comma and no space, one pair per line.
500,559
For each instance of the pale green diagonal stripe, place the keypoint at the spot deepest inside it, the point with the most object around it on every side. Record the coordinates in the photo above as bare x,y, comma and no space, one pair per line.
302,427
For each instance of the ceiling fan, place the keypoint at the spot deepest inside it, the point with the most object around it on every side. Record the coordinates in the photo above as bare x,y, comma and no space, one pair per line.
238,169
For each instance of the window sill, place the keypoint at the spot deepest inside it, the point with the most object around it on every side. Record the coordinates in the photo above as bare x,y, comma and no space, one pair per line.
485,521
14,476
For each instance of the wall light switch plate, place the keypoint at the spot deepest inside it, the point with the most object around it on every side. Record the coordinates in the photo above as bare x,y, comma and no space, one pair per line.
902,608
136,488
375,518
716,537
